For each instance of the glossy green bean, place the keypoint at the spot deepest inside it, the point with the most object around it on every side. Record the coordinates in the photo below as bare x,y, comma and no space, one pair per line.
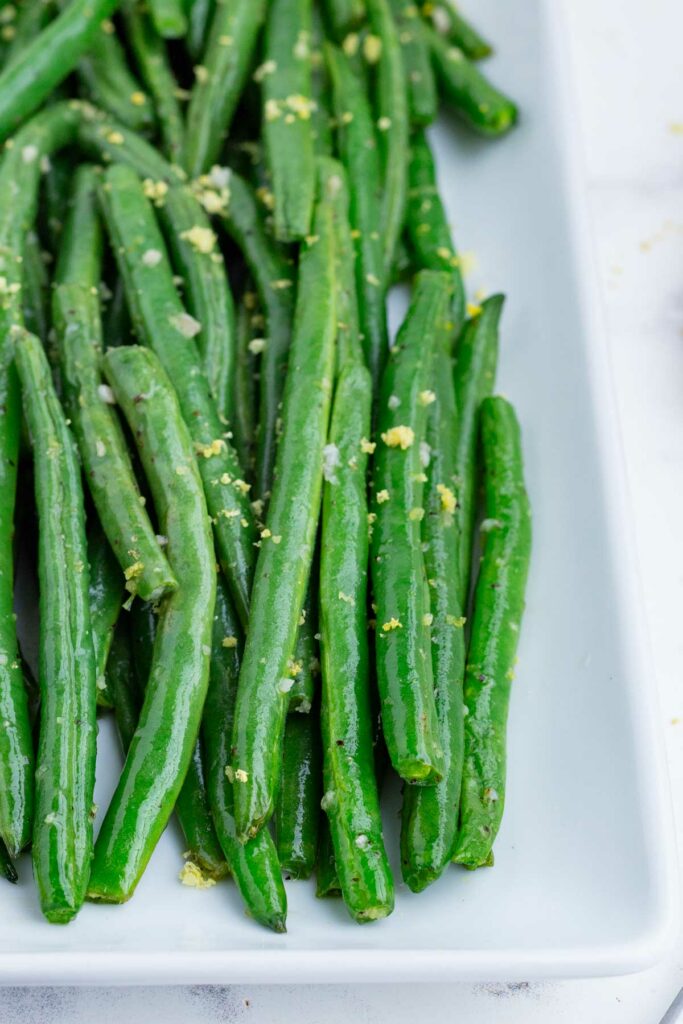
274,279
285,556
111,84
326,877
297,812
343,16
6,866
65,775
305,658
404,666
351,799
358,150
121,684
335,184
230,49
35,290
391,107
162,322
254,865
483,107
153,64
287,103
245,396
448,22
48,59
498,609
108,468
427,225
474,377
161,749
169,18
429,816
423,101
107,593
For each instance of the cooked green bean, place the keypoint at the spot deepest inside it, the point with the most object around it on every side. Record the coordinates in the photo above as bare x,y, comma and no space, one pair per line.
326,877
429,817
358,149
6,866
404,666
497,615
169,18
162,322
65,774
107,594
254,865
305,656
229,54
450,23
48,59
35,289
108,468
420,85
351,799
427,224
287,104
343,15
110,82
245,397
121,684
474,377
30,19
297,813
287,544
483,107
199,18
275,284
335,184
154,66
116,325
391,105
161,749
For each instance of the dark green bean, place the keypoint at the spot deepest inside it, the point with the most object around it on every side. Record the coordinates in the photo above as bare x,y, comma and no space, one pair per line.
497,615
351,798
285,556
305,658
423,101
175,693
327,879
6,866
450,23
107,594
297,813
404,666
65,773
35,289
343,15
245,400
121,684
199,17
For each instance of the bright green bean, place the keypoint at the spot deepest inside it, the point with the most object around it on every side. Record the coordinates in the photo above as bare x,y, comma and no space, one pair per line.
335,184
297,813
35,289
245,397
326,877
450,23
423,101
107,593
30,19
498,610
199,15
343,15
305,656
111,84
154,66
169,18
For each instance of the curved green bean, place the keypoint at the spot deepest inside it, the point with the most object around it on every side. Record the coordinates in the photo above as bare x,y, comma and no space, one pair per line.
497,615
287,106
461,33
254,865
351,799
404,666
427,225
483,107
297,812
423,101
474,377
48,59
287,550
227,61
107,592
358,149
169,18
174,697
162,322
429,817
111,84
65,774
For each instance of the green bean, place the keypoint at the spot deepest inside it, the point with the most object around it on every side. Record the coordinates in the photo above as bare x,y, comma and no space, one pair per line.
483,107
336,188
327,879
297,813
199,18
153,63
351,798
116,325
498,610
169,18
121,683
358,149
110,82
106,589
254,865
245,400
76,314
48,59
287,550
450,23
474,377
19,177
274,282
30,19
35,289
161,749
427,224
404,263
65,775
430,813
6,866
420,85
305,658
162,322
393,127
343,15
287,107
404,667
229,54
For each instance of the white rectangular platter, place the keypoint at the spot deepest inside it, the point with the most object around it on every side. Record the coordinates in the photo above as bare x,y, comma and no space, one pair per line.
584,882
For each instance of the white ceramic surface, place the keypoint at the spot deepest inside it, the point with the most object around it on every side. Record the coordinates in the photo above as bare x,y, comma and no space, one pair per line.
584,881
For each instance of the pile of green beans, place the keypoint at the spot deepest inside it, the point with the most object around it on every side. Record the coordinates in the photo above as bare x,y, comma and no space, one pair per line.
258,514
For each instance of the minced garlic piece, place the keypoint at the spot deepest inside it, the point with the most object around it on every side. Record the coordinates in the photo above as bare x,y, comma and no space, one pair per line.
202,240
457,621
155,190
367,446
372,48
416,513
193,876
427,619
138,99
399,437
229,641
473,309
426,397
382,496
256,345
448,500
134,570
186,324
391,624
152,257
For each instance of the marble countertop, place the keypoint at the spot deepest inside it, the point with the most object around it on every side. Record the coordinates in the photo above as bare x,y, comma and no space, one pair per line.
627,73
